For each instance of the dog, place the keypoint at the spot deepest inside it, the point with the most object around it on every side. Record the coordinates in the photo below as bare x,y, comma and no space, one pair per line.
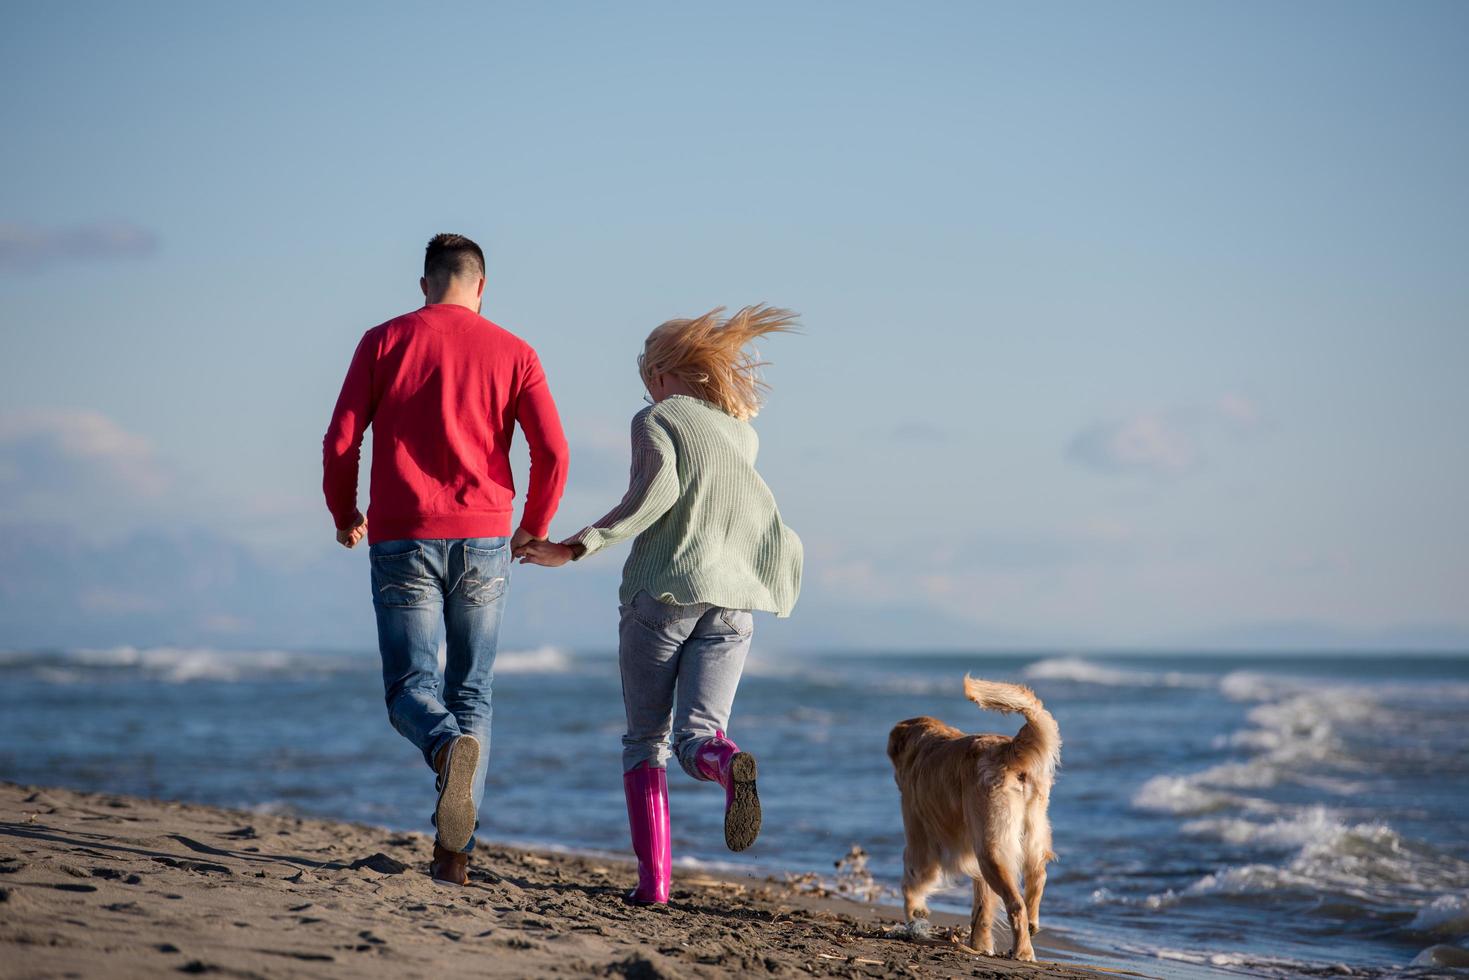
976,805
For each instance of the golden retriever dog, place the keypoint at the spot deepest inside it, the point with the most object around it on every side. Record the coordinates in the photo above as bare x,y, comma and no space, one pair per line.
976,805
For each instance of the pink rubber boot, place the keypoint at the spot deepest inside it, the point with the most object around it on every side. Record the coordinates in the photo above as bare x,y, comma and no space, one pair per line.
646,789
720,760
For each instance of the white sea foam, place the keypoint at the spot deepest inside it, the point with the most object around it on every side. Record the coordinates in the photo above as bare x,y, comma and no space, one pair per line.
1254,774
1332,784
1253,963
177,665
1083,671
541,660
1297,830
1299,732
1290,741
1180,795
1247,685
1365,861
1447,915
1163,901
180,665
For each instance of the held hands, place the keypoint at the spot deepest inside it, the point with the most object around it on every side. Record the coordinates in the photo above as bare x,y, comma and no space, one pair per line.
545,553
532,550
521,538
348,537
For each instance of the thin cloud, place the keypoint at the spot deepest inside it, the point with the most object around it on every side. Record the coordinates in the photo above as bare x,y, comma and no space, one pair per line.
1148,443
1239,411
32,248
50,452
1165,443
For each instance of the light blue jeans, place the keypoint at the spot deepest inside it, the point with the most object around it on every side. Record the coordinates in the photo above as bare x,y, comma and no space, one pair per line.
680,668
416,585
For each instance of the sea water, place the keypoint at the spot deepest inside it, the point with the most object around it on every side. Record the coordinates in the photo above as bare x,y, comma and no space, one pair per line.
1261,815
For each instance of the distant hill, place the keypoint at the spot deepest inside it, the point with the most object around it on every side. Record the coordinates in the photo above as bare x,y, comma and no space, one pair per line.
198,587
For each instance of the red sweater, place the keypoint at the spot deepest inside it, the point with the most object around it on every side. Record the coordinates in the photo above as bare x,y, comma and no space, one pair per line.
442,388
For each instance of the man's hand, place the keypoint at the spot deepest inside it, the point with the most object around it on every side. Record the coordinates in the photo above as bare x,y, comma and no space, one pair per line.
521,538
348,537
545,553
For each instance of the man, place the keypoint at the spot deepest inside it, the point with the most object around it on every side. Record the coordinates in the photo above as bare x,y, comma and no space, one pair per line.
443,389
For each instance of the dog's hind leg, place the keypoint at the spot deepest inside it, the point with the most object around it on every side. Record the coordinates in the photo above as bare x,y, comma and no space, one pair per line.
1002,879
920,875
1037,853
997,820
982,918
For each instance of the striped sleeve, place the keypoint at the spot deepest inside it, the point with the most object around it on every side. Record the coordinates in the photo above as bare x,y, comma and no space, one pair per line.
652,490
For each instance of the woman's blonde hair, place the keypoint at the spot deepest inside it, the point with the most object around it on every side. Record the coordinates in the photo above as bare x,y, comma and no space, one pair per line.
708,354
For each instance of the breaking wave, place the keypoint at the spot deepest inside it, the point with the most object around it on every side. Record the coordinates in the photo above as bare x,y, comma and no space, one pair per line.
541,660
1082,671
183,665
1293,740
1180,795
1369,862
174,665
1309,739
1254,963
1447,915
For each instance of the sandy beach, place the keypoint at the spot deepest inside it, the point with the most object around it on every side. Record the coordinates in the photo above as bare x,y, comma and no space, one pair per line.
100,885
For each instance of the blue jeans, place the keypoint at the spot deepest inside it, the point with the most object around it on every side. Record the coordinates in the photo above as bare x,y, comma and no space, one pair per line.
416,584
680,668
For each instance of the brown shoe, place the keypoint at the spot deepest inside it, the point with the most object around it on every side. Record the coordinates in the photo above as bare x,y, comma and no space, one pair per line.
454,816
449,866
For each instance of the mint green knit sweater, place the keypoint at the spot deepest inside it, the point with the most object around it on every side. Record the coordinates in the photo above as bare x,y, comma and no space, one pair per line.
706,525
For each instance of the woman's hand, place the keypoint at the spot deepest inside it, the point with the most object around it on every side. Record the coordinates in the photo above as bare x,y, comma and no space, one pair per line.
545,553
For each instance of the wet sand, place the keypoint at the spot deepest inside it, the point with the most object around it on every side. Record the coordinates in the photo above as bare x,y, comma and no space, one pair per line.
94,885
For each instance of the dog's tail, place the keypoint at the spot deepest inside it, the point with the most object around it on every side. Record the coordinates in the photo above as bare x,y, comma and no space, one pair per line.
1037,745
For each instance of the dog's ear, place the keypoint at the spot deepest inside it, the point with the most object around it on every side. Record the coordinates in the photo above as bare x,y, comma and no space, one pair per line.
898,740
901,737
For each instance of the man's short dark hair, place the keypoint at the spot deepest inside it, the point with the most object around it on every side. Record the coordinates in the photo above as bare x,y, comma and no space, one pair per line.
450,257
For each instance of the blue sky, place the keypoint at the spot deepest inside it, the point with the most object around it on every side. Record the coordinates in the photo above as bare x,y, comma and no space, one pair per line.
1126,324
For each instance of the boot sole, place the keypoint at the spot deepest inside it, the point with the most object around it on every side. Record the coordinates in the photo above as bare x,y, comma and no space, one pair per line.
742,819
455,815
632,898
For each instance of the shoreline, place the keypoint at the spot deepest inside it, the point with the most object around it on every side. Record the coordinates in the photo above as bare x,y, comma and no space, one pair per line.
102,884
